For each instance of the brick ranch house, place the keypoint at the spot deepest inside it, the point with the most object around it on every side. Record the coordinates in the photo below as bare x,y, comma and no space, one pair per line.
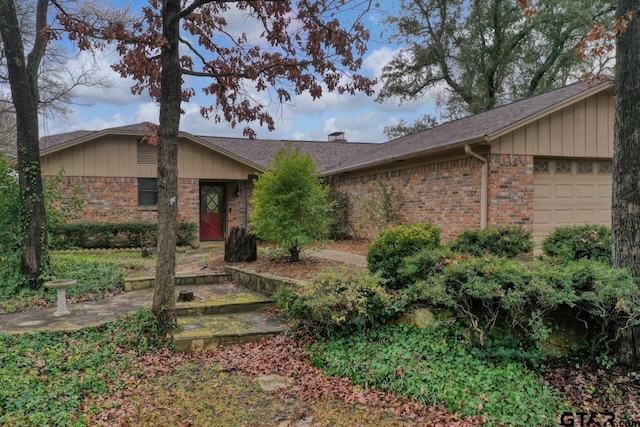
542,162
115,173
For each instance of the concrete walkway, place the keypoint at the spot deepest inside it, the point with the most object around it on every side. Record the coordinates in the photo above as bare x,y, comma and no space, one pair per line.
347,258
99,312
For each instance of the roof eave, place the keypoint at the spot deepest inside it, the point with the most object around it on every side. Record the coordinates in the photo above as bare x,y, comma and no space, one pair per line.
413,155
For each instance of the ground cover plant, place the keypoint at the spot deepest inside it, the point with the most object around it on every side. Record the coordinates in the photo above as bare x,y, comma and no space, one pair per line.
438,366
97,274
45,377
175,389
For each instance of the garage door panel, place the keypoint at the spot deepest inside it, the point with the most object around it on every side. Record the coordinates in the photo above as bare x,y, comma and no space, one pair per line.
570,199
605,190
604,217
586,190
563,191
564,216
586,216
542,191
542,217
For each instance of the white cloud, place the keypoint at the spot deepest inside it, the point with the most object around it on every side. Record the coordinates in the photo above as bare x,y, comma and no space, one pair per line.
117,90
73,122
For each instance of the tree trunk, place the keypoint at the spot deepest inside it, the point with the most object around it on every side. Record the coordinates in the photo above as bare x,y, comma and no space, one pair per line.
169,124
23,79
240,246
626,163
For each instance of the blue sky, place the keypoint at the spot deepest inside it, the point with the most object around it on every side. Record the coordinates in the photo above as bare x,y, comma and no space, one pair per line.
360,117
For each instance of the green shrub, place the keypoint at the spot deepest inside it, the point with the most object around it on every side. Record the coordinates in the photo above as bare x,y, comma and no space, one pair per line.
424,264
291,205
491,291
387,252
436,366
579,242
606,298
485,292
10,228
340,302
503,241
111,235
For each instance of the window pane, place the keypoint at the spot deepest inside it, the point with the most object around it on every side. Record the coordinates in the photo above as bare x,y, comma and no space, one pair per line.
147,191
541,166
605,167
147,198
585,167
149,184
563,166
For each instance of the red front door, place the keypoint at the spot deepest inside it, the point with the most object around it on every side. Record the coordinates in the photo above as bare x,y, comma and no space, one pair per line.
212,211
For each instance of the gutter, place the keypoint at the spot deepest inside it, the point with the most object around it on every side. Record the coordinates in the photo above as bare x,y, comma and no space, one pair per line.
484,186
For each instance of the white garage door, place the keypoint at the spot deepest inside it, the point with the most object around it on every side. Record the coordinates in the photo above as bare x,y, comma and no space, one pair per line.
570,192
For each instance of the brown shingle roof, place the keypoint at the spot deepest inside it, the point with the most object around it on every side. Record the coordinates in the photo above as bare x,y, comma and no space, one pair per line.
52,141
257,152
261,151
469,129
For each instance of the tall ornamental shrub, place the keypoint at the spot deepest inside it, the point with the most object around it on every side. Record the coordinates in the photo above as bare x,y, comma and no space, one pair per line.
291,203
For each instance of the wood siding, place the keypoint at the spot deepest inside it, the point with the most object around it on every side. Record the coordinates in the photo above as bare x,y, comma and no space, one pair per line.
117,157
581,130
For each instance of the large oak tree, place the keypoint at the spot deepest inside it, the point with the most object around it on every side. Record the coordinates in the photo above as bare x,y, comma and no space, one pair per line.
304,46
475,55
626,159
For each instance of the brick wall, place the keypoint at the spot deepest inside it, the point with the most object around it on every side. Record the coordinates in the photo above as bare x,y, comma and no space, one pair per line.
511,190
447,193
111,199
238,194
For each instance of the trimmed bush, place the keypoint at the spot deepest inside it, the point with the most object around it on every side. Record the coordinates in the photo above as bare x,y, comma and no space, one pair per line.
387,252
491,291
339,303
425,263
114,235
503,241
579,242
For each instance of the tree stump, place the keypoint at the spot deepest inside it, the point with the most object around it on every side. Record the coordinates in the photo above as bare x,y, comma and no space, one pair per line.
186,296
240,246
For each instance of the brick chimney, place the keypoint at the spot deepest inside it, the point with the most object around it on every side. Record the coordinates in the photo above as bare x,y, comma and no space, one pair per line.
337,136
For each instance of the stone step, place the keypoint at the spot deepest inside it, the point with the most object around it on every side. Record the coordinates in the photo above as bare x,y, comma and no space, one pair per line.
200,333
182,279
204,308
221,299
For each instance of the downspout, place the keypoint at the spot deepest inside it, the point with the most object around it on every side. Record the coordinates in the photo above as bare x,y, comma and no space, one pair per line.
484,186
246,206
